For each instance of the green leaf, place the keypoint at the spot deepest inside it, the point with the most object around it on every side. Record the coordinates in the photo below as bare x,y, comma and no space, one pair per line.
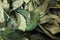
24,13
32,22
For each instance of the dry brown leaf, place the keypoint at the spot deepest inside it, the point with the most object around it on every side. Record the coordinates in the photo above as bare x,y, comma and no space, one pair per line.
1,13
45,19
37,2
17,4
55,17
26,1
30,7
5,4
53,29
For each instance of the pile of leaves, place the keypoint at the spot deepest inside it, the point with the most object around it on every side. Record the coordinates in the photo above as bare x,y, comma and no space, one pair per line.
19,17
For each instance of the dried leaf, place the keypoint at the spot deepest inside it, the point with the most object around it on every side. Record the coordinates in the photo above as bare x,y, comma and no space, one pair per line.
17,4
45,19
55,17
42,8
1,13
26,1
53,29
37,2
46,32
5,4
30,7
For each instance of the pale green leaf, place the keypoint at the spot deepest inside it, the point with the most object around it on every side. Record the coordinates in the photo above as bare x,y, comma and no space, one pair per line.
25,14
22,25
